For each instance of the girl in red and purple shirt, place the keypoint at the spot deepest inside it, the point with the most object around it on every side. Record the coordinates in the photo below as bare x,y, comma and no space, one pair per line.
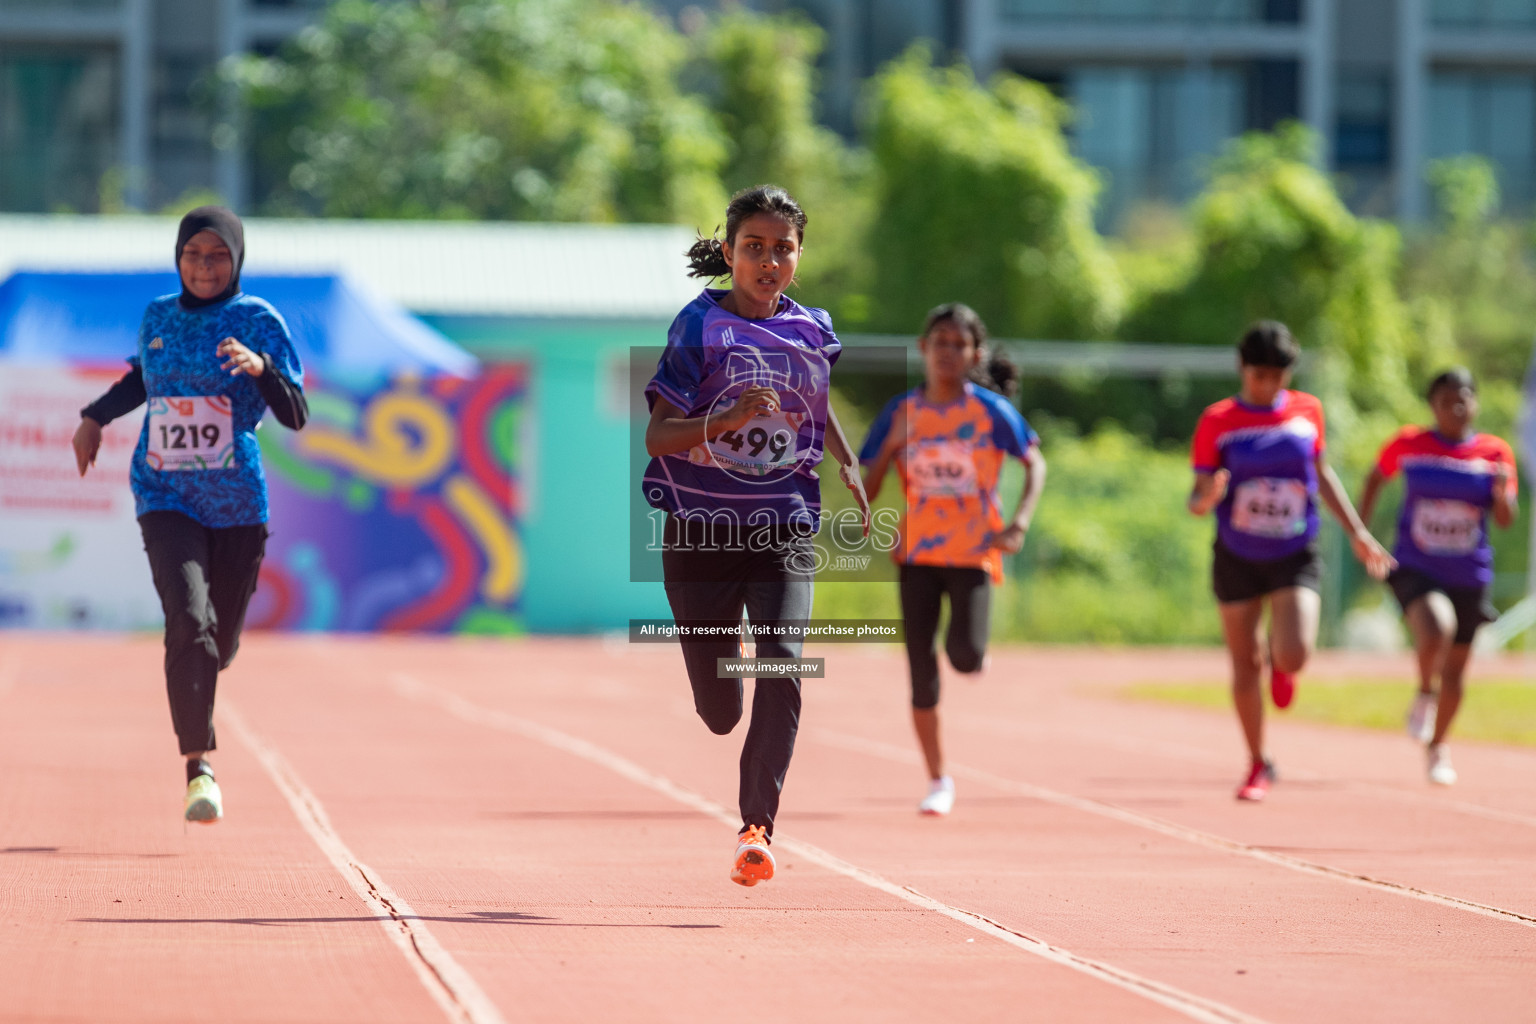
1258,461
1453,477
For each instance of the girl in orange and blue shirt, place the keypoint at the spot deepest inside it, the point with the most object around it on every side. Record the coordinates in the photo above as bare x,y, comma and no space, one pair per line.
948,439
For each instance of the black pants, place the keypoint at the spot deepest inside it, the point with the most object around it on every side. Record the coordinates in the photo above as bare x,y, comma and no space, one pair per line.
970,612
712,584
205,578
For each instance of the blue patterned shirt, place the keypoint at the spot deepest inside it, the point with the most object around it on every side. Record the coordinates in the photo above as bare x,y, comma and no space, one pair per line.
197,453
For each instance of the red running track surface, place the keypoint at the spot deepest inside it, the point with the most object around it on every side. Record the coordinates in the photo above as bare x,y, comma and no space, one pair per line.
430,830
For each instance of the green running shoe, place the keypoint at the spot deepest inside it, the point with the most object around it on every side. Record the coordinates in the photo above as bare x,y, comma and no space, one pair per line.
204,801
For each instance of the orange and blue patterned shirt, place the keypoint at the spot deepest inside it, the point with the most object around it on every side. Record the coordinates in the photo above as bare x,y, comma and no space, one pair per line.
949,467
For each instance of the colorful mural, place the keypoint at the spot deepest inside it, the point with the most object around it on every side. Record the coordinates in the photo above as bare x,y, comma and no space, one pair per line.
397,508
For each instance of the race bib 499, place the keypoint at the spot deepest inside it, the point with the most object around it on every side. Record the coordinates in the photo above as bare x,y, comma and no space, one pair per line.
190,433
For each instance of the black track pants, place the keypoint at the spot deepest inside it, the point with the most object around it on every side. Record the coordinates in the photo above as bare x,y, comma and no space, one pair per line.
773,586
205,578
970,606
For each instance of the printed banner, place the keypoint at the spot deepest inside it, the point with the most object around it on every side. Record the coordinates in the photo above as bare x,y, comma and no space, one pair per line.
397,507
71,556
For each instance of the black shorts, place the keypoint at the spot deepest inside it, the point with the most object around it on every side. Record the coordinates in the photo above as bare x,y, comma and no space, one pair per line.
1472,604
1241,579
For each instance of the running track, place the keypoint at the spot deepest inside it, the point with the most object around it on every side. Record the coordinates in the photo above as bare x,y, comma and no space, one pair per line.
425,830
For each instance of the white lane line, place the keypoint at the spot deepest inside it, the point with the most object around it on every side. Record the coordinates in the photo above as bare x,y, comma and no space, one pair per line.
449,985
890,752
1201,755
1192,1006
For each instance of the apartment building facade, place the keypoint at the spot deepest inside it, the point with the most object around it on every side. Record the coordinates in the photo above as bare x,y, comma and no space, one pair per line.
108,96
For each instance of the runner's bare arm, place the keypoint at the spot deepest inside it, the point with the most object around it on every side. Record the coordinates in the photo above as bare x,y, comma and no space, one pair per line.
1369,492
238,359
1209,489
874,473
1504,507
1011,540
87,442
848,466
1371,554
670,431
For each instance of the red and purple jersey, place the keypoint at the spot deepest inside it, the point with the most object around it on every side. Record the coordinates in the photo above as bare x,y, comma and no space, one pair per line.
1442,530
949,467
761,474
1270,508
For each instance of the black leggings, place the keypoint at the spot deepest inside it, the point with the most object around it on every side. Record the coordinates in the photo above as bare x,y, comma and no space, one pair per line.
205,578
712,586
970,612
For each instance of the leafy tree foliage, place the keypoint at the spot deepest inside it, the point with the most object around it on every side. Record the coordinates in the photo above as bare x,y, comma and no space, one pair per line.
500,109
979,200
1273,240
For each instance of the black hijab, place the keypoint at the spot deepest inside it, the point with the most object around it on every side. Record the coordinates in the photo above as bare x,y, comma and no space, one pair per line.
231,232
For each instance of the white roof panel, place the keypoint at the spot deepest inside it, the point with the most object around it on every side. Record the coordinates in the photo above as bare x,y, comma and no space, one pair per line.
471,268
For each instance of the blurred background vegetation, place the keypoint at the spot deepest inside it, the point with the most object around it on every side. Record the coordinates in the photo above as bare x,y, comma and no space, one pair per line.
597,110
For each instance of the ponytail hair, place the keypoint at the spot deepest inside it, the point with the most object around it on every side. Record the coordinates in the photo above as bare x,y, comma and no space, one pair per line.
998,372
706,257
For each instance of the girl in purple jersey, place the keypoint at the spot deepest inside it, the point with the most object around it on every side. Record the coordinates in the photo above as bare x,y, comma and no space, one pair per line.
1454,478
1259,464
739,416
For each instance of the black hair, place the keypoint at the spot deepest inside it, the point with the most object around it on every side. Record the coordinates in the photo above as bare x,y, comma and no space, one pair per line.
1268,343
1457,377
706,257
1000,374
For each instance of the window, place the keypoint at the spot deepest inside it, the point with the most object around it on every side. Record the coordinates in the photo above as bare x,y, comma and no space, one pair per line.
1490,114
58,127
1151,129
1154,11
1463,14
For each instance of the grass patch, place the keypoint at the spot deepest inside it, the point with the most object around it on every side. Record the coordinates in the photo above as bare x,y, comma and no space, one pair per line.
1493,710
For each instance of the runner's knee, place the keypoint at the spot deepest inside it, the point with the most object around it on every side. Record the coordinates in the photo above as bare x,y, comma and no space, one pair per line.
1290,657
965,658
721,718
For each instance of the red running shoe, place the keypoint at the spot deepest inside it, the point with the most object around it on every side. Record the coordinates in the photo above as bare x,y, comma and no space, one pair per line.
753,861
1256,786
1282,687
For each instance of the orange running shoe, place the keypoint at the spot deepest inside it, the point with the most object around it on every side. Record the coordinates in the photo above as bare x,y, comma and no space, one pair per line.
753,861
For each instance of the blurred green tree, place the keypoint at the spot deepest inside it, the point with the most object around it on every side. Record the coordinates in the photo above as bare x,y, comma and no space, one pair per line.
1471,276
757,73
1274,241
565,110
978,200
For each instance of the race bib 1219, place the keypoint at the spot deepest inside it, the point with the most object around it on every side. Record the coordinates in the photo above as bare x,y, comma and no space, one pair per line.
190,433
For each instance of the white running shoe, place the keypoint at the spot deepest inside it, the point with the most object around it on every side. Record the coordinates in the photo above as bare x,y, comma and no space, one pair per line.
1441,771
940,799
204,801
1421,716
